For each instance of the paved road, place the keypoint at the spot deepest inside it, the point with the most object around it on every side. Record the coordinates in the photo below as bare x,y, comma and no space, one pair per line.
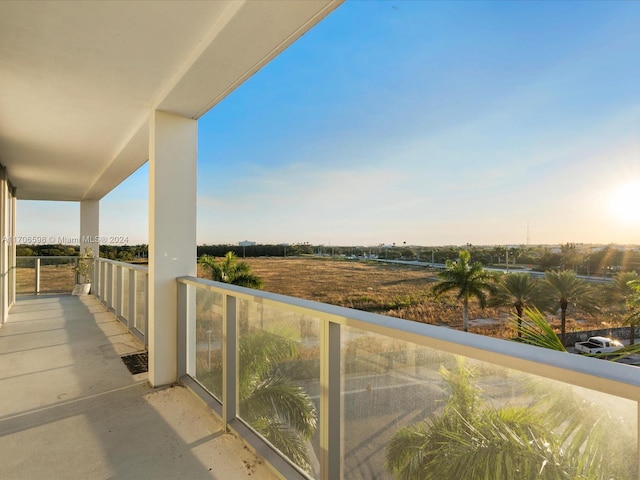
441,266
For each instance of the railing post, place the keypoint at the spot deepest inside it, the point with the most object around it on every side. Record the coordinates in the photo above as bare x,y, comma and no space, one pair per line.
186,330
109,296
330,402
230,360
146,311
131,314
138,276
94,276
101,281
37,272
183,350
76,276
119,290
97,279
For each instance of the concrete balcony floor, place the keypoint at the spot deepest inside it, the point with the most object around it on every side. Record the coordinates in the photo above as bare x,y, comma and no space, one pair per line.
70,409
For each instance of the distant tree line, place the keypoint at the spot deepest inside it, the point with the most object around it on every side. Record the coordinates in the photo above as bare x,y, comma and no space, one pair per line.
259,250
606,260
124,253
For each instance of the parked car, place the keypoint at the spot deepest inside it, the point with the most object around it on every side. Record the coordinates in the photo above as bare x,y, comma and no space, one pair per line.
598,345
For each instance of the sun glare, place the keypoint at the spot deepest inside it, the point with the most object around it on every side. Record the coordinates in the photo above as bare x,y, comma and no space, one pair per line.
625,202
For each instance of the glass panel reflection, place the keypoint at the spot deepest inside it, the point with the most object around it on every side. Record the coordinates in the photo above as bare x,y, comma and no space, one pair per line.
209,341
279,379
414,412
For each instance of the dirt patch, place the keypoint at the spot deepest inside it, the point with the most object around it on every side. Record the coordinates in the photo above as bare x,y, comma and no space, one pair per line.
402,291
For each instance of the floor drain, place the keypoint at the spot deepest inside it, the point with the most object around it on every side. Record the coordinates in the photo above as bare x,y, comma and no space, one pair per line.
136,363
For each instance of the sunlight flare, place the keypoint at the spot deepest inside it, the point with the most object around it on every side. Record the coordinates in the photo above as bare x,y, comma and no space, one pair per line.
624,202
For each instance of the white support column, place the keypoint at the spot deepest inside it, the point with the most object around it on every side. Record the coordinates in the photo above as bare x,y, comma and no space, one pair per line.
173,156
12,250
4,246
90,226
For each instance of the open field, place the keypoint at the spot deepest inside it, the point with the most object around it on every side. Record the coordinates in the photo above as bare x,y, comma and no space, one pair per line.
53,279
389,289
394,290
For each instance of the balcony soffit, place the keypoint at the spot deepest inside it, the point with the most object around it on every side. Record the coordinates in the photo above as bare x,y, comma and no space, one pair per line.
78,80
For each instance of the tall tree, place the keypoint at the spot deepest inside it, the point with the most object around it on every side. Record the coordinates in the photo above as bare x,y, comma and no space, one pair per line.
623,293
632,303
468,280
230,270
520,291
566,289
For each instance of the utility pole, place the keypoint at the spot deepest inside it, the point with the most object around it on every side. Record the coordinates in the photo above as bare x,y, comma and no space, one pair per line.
507,258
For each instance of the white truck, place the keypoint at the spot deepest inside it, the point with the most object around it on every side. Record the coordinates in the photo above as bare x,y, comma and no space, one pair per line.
598,345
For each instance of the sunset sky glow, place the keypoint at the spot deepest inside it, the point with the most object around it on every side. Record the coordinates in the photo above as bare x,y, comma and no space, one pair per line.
429,123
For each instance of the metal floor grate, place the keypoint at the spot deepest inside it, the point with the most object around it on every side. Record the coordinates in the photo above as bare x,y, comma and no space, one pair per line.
137,362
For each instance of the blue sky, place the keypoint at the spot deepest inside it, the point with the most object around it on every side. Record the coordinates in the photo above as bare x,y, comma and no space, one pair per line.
422,122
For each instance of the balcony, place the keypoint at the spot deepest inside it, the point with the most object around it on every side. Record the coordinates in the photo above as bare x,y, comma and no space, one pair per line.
121,84
367,375
71,409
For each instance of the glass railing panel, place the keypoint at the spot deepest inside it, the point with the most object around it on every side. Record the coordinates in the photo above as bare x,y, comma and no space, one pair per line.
25,275
208,362
279,379
387,384
57,274
141,302
416,407
125,293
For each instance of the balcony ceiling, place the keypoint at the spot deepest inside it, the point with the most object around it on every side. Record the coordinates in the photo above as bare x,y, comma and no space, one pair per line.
78,80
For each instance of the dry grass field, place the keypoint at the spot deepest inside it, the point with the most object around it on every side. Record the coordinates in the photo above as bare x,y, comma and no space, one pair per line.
395,290
53,279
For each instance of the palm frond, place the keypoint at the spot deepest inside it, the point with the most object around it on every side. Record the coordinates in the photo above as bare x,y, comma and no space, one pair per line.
289,402
408,452
260,350
270,402
229,270
556,437
287,440
535,330
247,279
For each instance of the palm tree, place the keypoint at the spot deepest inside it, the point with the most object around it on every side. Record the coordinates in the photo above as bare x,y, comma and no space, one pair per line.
632,303
553,438
269,401
470,280
622,291
565,288
517,290
229,270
